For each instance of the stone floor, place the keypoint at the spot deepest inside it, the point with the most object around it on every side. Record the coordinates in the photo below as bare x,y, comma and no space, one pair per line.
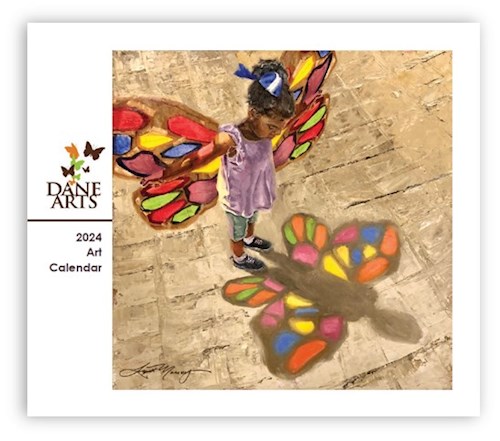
385,154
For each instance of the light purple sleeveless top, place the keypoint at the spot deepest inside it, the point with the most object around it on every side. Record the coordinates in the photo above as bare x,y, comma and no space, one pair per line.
247,181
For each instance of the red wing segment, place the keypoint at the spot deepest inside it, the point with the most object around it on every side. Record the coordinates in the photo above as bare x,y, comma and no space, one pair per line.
304,354
190,129
128,119
155,190
163,214
312,133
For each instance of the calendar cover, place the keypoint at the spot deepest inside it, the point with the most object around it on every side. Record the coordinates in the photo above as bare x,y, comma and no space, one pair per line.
223,219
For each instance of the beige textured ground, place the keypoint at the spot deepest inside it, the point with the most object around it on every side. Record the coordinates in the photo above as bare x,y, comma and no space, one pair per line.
385,154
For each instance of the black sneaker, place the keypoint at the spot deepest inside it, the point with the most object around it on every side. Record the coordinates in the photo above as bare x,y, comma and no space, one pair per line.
259,244
249,263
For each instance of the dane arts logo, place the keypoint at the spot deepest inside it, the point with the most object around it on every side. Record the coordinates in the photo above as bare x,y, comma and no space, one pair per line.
77,192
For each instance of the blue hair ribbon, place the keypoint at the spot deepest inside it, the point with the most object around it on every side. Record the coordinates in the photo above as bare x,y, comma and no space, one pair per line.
243,72
270,81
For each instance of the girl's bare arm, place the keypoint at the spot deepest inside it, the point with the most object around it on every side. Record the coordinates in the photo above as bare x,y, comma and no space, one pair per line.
222,144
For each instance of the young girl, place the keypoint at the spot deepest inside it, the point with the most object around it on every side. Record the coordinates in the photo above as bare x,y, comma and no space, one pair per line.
246,181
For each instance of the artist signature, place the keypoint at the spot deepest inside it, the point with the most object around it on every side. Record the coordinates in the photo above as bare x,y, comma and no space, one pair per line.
164,368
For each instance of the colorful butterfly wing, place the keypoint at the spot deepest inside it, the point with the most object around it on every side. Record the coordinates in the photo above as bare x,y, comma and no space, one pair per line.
151,136
295,334
306,239
309,74
363,251
355,252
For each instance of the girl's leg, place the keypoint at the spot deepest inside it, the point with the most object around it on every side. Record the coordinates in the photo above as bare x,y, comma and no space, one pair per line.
238,229
237,248
251,226
250,230
252,241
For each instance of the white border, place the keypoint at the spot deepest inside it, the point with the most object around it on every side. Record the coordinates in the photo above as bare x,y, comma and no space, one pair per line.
80,45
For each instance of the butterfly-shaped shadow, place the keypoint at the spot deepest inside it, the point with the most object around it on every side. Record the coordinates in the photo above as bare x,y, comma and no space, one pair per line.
314,292
170,147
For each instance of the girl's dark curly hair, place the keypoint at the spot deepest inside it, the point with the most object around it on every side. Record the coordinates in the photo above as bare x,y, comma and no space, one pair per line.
265,103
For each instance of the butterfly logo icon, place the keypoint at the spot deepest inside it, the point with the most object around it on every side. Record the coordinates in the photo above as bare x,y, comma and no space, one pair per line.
72,151
77,164
68,171
94,153
314,292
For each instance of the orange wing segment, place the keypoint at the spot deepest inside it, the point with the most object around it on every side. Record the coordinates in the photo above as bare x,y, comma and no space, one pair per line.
298,226
263,296
304,354
390,242
372,269
320,236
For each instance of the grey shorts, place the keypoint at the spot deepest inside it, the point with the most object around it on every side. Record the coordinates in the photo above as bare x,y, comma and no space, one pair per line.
238,225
